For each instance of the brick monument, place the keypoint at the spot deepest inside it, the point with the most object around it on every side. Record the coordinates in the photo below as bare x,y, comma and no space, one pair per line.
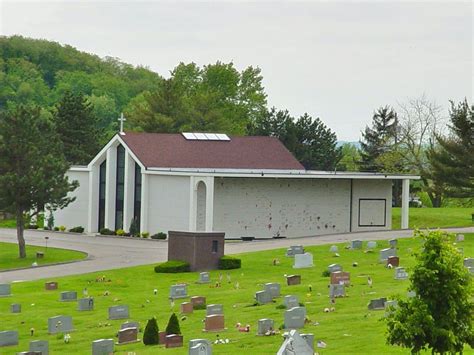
202,250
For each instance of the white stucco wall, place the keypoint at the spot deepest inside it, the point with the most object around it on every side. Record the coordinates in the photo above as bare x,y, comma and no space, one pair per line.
375,199
263,207
76,213
168,203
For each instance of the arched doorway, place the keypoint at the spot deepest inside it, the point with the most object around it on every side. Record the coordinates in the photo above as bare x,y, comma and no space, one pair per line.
201,206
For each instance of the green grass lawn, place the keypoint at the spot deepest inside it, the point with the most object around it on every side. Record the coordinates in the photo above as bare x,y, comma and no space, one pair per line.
9,256
435,217
351,329
7,223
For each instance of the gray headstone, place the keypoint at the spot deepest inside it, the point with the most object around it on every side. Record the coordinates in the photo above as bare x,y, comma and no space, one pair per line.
60,324
85,304
388,304
15,308
470,269
204,278
334,267
103,347
411,294
130,325
263,297
294,249
119,312
265,325
460,238
5,290
294,344
393,243
178,291
376,304
273,288
303,261
309,339
68,296
400,273
200,347
333,249
356,244
291,301
214,309
469,262
337,290
40,345
386,253
371,245
295,317
8,337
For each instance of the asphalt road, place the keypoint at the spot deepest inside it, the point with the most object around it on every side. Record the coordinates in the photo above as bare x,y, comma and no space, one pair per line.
105,253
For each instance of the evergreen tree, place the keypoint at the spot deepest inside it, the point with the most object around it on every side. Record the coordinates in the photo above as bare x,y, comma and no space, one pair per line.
439,317
173,325
134,230
78,129
453,159
150,335
310,141
379,139
32,167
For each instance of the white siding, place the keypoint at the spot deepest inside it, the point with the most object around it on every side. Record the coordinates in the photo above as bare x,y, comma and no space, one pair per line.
76,213
263,207
375,199
168,203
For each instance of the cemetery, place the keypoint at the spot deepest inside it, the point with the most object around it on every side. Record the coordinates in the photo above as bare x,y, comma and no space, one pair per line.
49,314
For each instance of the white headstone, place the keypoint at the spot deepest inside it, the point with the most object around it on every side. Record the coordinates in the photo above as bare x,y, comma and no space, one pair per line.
303,261
294,344
178,291
371,245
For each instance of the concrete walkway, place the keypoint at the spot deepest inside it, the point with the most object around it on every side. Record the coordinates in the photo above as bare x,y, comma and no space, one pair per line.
107,253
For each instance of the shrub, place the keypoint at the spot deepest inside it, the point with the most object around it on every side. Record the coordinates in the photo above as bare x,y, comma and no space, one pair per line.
56,229
134,231
145,234
120,232
62,228
150,335
78,229
172,266
200,306
106,231
50,221
326,273
173,325
229,262
32,226
159,235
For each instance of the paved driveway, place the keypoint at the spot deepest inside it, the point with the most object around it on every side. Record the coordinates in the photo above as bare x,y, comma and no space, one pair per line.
112,253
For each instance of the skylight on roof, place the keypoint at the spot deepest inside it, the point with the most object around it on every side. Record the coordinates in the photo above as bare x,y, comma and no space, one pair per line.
205,136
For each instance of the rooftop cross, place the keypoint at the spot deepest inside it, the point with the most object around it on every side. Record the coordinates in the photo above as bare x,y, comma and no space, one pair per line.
122,120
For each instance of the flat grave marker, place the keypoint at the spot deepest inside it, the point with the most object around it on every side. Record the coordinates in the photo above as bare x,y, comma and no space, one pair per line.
5,290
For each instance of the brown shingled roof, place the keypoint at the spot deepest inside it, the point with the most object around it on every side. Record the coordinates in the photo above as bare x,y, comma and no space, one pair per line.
161,150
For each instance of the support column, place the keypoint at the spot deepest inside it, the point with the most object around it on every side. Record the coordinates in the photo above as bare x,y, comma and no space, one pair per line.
144,204
93,203
405,203
111,173
192,203
128,191
209,203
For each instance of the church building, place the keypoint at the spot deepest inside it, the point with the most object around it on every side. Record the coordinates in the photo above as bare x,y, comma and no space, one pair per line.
243,186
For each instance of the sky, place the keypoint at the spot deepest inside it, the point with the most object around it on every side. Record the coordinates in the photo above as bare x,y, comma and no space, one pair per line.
336,60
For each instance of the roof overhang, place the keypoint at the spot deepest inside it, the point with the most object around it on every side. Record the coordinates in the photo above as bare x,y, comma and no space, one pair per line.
270,173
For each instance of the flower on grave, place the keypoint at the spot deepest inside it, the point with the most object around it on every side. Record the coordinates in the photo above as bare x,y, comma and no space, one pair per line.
155,291
67,337
32,331
310,288
58,324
